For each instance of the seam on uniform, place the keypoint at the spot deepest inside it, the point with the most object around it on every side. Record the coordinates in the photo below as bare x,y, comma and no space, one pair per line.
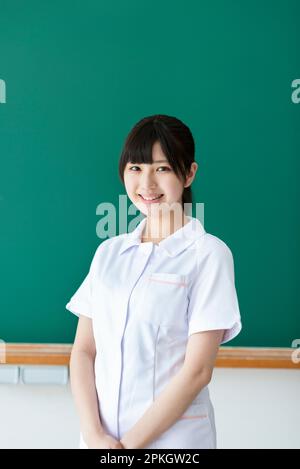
154,371
197,249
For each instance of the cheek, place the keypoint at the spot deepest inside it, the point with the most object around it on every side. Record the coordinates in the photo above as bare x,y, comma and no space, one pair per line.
173,188
129,183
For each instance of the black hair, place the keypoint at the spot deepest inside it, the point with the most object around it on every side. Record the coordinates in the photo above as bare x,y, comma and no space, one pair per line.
176,141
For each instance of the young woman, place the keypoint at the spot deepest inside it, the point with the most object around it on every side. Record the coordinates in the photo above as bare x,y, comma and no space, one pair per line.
154,307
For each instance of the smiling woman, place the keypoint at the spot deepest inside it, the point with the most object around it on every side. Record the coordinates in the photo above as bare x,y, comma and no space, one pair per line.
162,145
157,167
155,312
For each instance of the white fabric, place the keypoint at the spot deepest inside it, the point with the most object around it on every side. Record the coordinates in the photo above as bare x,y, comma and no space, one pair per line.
145,300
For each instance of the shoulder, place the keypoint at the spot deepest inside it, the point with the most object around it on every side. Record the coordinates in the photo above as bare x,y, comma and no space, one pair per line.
210,248
112,244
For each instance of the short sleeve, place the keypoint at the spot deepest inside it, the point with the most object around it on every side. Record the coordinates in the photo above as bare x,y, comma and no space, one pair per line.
81,302
213,302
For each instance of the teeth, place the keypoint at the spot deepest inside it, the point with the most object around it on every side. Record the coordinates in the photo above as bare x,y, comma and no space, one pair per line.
151,198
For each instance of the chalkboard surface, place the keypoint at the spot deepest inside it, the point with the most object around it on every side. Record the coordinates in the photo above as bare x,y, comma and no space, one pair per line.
76,76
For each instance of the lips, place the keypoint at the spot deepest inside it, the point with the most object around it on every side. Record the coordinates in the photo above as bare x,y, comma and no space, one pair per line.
150,198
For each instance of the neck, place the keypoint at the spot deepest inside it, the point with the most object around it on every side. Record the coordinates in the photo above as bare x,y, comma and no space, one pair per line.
158,228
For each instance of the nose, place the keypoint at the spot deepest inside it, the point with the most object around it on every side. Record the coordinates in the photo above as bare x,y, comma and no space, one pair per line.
147,181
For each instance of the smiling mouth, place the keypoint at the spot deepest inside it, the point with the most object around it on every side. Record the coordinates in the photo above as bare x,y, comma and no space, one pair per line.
151,199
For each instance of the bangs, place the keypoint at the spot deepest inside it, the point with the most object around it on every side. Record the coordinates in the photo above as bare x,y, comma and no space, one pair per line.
139,144
139,148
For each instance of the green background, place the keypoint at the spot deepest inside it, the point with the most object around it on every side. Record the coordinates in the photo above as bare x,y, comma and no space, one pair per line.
79,75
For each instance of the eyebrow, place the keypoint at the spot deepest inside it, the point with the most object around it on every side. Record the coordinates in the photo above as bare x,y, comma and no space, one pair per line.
154,162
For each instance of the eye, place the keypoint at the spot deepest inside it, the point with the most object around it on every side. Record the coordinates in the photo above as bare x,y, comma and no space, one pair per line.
134,167
164,167
160,167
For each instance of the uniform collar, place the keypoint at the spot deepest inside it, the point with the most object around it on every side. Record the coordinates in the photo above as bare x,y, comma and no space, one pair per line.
173,244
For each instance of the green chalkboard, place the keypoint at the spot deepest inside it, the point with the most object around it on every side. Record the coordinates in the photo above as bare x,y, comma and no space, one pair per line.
76,76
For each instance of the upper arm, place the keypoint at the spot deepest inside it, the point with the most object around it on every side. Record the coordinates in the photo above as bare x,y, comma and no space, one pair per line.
201,352
84,339
213,301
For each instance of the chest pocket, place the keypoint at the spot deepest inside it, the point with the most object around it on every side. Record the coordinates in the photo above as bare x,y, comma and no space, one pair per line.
165,299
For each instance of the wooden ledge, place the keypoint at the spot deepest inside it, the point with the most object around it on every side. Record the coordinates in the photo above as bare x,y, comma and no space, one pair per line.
228,357
37,354
256,357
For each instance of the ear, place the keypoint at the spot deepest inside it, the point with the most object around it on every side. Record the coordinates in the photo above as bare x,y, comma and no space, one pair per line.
190,177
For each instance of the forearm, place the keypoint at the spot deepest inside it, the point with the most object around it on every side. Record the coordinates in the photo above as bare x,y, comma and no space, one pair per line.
166,409
82,377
